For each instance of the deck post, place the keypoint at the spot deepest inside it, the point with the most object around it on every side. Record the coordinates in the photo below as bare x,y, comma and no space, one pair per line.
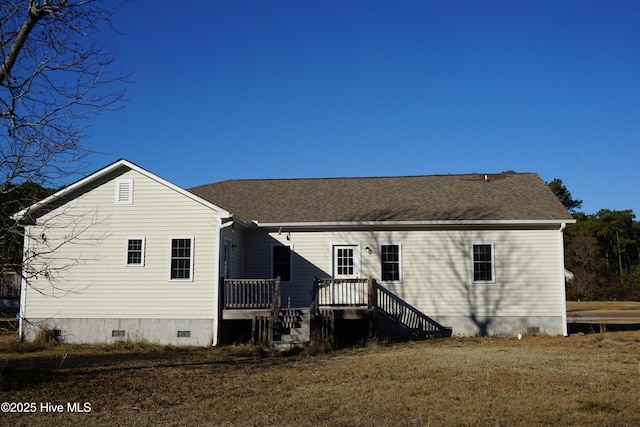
371,295
314,296
275,310
254,320
371,303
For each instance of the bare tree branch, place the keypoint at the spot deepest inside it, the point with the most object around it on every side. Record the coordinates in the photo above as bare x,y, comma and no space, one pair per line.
55,71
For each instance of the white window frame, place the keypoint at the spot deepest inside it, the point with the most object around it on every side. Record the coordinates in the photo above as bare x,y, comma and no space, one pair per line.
126,251
290,246
357,260
399,245
191,258
493,262
122,185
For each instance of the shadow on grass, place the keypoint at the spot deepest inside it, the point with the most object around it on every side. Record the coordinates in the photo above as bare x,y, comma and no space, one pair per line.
26,368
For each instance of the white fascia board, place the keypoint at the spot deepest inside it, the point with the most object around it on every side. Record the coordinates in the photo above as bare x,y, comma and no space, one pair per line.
514,222
106,170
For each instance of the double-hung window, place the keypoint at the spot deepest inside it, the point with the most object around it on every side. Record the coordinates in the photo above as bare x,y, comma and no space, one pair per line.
390,262
281,262
135,252
181,267
483,263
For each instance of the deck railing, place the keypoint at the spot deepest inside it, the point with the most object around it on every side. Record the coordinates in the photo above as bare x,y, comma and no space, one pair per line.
251,294
343,292
413,320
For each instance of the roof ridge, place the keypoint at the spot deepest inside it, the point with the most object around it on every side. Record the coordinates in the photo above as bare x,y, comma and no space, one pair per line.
365,177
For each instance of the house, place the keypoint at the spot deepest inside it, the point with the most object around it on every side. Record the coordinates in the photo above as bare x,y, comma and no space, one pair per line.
124,254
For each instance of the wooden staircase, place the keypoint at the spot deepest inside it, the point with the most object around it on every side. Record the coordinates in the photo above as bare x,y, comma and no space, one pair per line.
406,317
335,304
292,328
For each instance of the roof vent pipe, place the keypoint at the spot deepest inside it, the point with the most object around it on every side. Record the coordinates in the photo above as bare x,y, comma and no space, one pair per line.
486,178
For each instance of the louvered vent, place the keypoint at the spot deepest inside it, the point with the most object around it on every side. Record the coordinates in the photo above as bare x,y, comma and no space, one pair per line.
124,191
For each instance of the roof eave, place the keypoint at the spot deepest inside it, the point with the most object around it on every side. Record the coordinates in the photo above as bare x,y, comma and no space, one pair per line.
19,216
409,224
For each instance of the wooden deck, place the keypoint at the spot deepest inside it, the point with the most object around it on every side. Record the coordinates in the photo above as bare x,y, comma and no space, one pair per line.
333,302
257,300
343,294
243,314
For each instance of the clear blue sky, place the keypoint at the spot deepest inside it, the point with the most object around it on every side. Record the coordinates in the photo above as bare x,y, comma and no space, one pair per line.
263,89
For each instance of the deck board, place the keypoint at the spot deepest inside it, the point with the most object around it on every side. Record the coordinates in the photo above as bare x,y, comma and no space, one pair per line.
240,314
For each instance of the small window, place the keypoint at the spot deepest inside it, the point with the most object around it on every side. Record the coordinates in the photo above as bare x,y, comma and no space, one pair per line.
135,252
124,191
483,263
390,263
181,259
281,266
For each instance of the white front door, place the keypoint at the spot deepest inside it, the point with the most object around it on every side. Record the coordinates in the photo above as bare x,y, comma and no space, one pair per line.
346,261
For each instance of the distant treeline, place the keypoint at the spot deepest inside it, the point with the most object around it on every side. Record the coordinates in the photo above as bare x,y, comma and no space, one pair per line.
602,251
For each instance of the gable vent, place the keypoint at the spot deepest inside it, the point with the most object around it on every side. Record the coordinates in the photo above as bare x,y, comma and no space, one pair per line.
124,191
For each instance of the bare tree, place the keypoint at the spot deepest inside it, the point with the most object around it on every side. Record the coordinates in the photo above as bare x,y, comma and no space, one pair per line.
55,71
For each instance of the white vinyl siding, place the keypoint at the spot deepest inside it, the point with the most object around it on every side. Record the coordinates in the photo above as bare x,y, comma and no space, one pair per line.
231,248
94,282
436,267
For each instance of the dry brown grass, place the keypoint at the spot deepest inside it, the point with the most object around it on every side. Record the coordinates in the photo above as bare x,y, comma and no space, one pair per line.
604,308
590,380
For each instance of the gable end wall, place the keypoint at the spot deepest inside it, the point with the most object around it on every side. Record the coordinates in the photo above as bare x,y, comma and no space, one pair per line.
94,290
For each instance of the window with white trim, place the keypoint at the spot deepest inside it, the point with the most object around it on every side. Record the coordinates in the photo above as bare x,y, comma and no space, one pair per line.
181,263
483,263
124,191
390,263
135,251
281,262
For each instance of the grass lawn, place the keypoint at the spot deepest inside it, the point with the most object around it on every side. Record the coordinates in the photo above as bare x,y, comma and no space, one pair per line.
590,380
604,308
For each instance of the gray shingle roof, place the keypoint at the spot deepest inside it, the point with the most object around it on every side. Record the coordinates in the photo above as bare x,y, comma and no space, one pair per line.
522,196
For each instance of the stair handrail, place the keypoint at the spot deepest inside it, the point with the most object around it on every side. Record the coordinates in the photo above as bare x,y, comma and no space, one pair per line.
399,305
